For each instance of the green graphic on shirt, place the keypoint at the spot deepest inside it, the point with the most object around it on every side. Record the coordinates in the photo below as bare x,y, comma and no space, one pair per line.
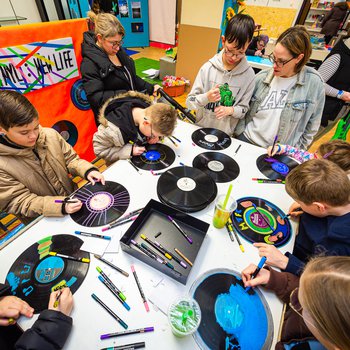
227,98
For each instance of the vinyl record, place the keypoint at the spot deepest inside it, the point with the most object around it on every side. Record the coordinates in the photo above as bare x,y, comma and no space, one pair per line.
255,218
67,130
102,204
157,157
35,273
276,167
219,166
186,188
78,96
232,319
212,139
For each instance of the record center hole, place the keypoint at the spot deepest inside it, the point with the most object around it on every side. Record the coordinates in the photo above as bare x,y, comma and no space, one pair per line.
211,138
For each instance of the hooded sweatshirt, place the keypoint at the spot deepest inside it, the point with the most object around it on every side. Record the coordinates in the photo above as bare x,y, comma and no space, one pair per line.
102,79
241,83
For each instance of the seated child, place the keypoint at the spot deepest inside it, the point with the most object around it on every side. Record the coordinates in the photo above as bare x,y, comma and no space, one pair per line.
49,332
128,122
317,313
337,151
224,85
35,162
257,45
322,190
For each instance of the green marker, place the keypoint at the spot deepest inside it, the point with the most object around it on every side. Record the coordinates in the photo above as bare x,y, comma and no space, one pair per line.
107,279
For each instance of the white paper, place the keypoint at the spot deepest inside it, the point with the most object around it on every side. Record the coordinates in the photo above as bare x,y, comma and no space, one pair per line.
151,73
95,245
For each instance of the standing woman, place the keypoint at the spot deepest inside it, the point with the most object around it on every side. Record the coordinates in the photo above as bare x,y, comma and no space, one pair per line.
288,99
106,68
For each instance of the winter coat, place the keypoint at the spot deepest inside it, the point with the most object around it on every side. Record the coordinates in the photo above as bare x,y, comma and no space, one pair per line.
331,22
49,332
32,178
102,79
241,83
117,127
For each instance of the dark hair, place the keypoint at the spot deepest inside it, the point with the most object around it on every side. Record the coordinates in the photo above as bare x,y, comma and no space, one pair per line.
15,110
240,29
264,38
297,41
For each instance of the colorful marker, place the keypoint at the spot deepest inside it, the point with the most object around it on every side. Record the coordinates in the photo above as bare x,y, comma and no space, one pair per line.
183,257
171,255
57,300
236,235
258,268
111,265
269,181
229,230
236,151
110,282
66,200
84,260
157,247
295,210
114,315
146,247
119,223
189,239
172,141
131,331
263,217
176,138
132,346
134,166
143,250
140,289
94,235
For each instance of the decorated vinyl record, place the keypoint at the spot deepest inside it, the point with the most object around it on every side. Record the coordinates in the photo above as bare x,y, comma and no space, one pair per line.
157,157
186,188
276,167
232,319
67,130
102,204
36,273
219,166
78,96
212,139
258,220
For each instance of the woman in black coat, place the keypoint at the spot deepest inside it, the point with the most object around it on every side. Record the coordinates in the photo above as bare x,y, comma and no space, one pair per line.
106,68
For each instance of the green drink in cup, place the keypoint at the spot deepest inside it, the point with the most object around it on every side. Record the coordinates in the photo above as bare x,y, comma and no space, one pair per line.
222,213
184,316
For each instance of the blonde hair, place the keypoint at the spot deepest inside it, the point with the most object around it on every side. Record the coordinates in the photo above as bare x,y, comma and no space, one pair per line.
106,24
326,289
338,152
163,118
319,180
297,41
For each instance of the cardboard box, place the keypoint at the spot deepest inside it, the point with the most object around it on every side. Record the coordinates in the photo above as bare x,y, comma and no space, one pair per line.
167,66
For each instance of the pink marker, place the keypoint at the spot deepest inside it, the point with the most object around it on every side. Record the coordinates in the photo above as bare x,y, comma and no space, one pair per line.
140,288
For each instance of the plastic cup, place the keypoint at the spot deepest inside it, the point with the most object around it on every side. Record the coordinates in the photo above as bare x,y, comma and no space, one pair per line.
184,316
222,215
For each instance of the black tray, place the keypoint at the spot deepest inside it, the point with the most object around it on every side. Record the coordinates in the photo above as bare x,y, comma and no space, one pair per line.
153,219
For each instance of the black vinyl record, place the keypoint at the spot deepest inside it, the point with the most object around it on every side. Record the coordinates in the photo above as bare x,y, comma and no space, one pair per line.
35,273
260,221
232,319
157,157
219,166
186,188
67,130
212,139
102,204
276,167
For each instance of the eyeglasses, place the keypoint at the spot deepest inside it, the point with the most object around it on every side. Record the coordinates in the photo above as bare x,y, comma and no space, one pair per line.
295,305
231,54
115,43
279,63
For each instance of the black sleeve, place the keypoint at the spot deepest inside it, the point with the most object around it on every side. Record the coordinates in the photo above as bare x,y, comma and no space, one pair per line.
4,290
49,332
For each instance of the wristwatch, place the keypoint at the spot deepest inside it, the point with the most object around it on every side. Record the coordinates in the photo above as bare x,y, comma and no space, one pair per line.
340,94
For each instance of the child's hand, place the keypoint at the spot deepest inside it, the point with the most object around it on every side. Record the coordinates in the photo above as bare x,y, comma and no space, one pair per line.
273,255
137,150
12,307
95,176
295,210
258,53
213,95
222,112
271,152
262,277
155,89
71,208
65,301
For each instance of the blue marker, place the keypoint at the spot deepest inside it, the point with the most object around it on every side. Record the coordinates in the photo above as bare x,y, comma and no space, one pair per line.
114,292
259,267
88,234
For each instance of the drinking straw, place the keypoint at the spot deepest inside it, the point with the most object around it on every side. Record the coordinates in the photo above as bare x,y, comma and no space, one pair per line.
227,196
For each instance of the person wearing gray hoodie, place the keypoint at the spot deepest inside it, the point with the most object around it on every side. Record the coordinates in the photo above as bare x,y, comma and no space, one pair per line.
224,85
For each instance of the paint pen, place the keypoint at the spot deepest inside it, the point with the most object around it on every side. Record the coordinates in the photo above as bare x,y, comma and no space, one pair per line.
229,230
94,235
176,138
263,217
84,260
140,288
114,315
183,256
99,270
57,300
111,265
236,235
236,151
258,268
294,211
119,223
146,247
131,346
157,247
172,141
274,143
134,166
269,181
171,255
66,200
189,239
131,331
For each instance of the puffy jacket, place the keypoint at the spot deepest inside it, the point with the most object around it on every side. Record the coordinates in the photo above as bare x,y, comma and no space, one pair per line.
331,22
102,79
32,178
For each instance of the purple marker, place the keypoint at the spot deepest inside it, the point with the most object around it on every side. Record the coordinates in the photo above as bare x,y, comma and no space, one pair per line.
189,239
131,331
172,256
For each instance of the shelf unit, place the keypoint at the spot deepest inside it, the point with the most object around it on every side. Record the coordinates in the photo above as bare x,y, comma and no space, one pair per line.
318,10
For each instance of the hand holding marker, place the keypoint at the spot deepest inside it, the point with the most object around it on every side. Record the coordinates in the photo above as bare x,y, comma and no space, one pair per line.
258,268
